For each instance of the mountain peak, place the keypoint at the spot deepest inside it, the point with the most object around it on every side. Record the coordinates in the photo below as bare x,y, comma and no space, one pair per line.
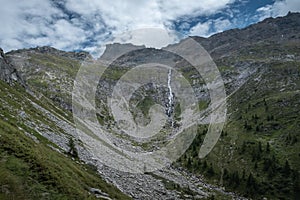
114,50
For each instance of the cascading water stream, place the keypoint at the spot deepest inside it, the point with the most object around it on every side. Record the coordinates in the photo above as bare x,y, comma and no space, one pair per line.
170,98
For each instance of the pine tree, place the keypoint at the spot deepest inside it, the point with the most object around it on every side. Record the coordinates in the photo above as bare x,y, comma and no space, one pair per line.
236,178
211,170
268,147
287,168
189,163
251,185
245,125
257,128
225,173
243,147
250,180
72,151
204,165
243,174
255,165
259,147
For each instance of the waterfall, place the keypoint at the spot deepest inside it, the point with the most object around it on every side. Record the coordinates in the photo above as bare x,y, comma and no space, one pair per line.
170,98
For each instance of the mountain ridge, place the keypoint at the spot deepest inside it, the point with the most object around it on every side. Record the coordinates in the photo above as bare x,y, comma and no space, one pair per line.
261,135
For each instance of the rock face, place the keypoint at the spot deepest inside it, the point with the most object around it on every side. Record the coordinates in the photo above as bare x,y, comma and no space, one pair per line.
8,73
49,71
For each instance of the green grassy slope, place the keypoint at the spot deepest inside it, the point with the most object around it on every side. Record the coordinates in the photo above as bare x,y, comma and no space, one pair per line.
33,170
258,152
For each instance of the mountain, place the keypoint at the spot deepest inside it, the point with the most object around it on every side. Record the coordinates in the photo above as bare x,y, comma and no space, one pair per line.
36,163
256,157
273,31
258,153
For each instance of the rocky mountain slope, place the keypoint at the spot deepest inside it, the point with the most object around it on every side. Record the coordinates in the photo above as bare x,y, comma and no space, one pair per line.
39,139
38,159
8,73
257,155
258,150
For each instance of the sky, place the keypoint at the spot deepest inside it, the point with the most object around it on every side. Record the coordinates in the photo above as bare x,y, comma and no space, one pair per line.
75,25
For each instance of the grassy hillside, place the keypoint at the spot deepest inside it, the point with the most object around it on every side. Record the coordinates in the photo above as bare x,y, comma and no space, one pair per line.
29,166
258,152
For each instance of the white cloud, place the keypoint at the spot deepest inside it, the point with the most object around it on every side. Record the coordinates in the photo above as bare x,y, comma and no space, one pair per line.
175,8
19,21
210,27
40,22
221,25
201,29
150,37
279,8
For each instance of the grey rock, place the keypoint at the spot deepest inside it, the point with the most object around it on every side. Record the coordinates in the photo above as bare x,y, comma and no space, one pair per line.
8,73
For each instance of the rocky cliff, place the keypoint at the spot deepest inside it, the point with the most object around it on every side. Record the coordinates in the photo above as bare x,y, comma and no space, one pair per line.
8,72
